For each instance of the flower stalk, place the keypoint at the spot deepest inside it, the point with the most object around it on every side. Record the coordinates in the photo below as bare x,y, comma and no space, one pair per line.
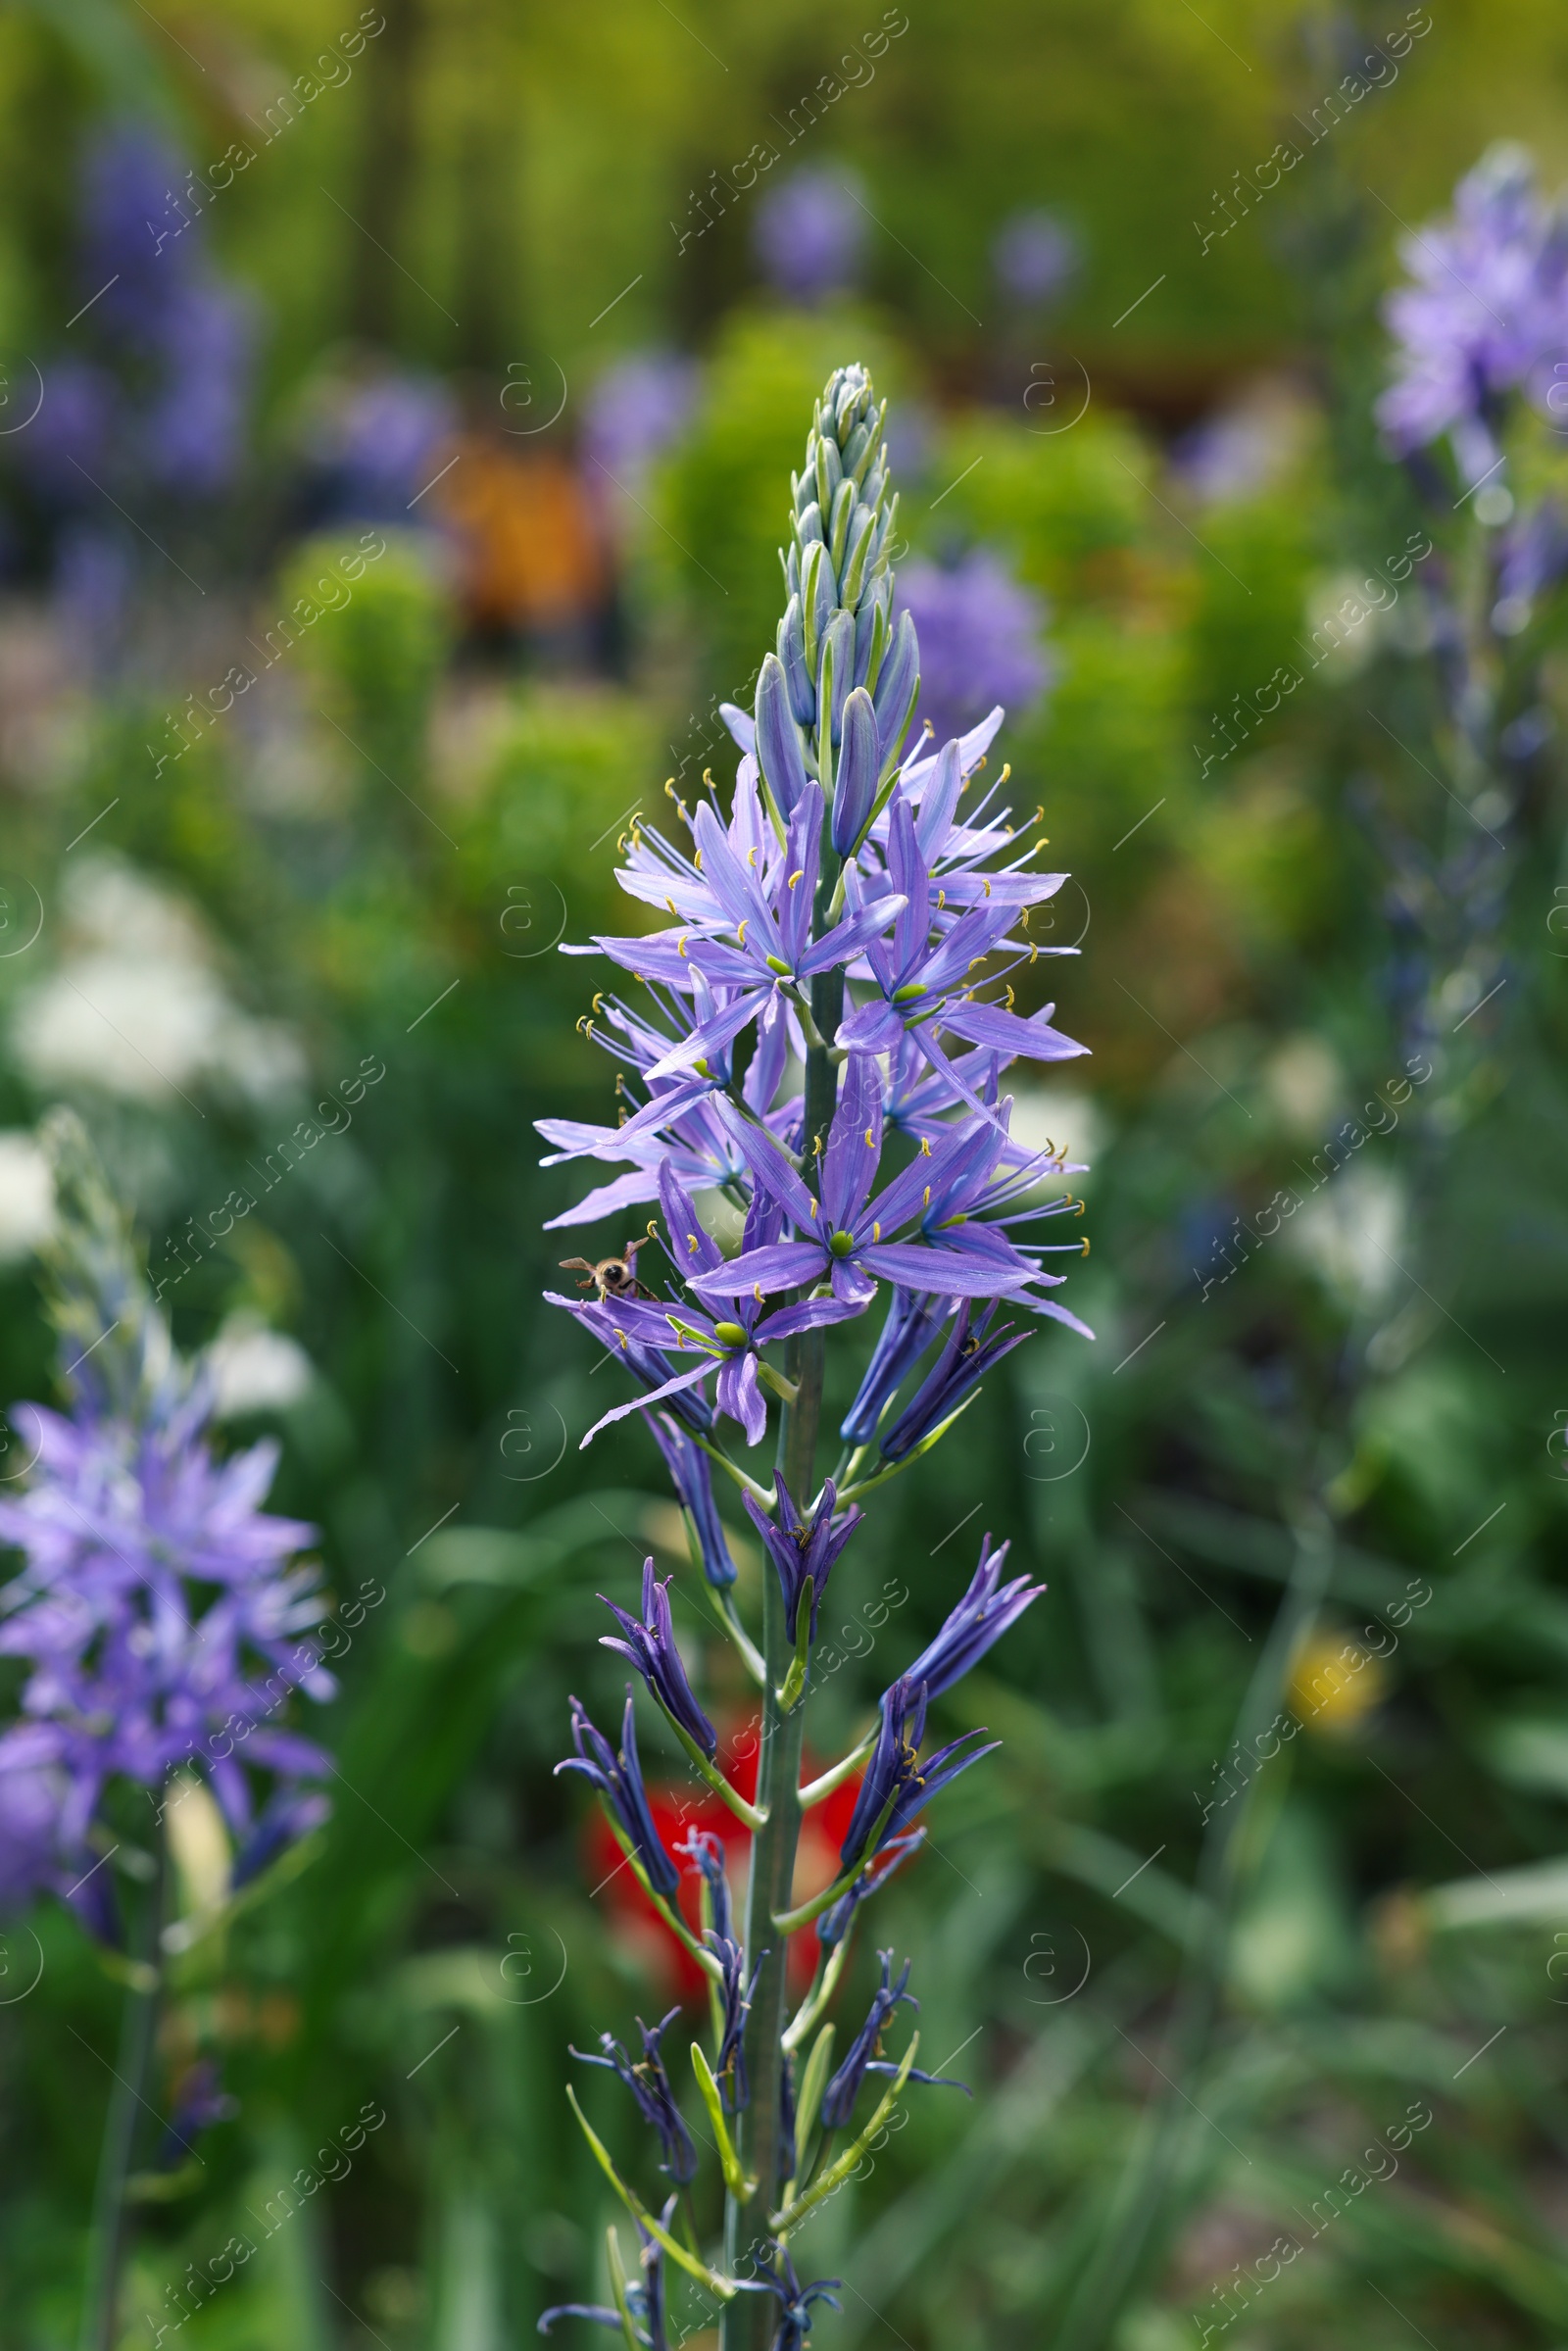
813,993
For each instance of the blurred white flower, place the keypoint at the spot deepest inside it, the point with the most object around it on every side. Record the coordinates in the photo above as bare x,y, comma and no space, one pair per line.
137,1006
253,1370
1350,616
1349,1232
1304,1082
27,1195
1056,1117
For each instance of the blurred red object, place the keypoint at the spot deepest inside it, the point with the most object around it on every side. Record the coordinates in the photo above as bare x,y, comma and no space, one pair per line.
677,1810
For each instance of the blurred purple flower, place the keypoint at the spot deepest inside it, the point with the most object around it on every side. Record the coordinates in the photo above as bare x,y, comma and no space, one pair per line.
163,398
130,176
637,408
94,572
200,2101
159,1614
1488,314
1035,256
810,231
73,428
372,444
1241,450
1534,557
31,1796
194,436
980,640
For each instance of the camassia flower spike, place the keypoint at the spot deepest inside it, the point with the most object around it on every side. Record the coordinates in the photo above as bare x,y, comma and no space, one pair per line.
813,1101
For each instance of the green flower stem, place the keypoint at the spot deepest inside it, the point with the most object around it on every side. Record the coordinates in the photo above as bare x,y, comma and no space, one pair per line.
821,1992
724,1609
748,2321
666,1910
794,1689
816,1791
100,2317
894,1469
618,2289
761,1495
838,2172
790,1921
729,2163
781,1387
716,2282
749,1813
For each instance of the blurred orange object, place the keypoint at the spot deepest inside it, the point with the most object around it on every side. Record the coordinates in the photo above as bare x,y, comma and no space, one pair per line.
529,556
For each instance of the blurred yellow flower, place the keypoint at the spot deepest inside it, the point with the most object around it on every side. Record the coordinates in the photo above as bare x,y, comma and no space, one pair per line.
1334,1683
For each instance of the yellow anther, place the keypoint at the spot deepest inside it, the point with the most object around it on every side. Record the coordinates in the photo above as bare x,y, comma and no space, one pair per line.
876,1232
1042,843
599,1000
756,1292
1024,918
1039,816
813,1212
740,935
1034,954
987,890
973,960
697,860
669,786
925,1147
674,909
1086,1247
621,1336
870,1140
941,900
750,857
1006,770
1009,1000
691,1245
797,876
681,946
926,1200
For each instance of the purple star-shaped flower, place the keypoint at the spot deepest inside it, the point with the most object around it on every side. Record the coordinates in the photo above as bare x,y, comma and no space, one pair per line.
840,1234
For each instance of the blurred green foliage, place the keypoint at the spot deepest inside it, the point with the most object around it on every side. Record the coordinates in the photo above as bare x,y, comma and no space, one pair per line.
379,854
